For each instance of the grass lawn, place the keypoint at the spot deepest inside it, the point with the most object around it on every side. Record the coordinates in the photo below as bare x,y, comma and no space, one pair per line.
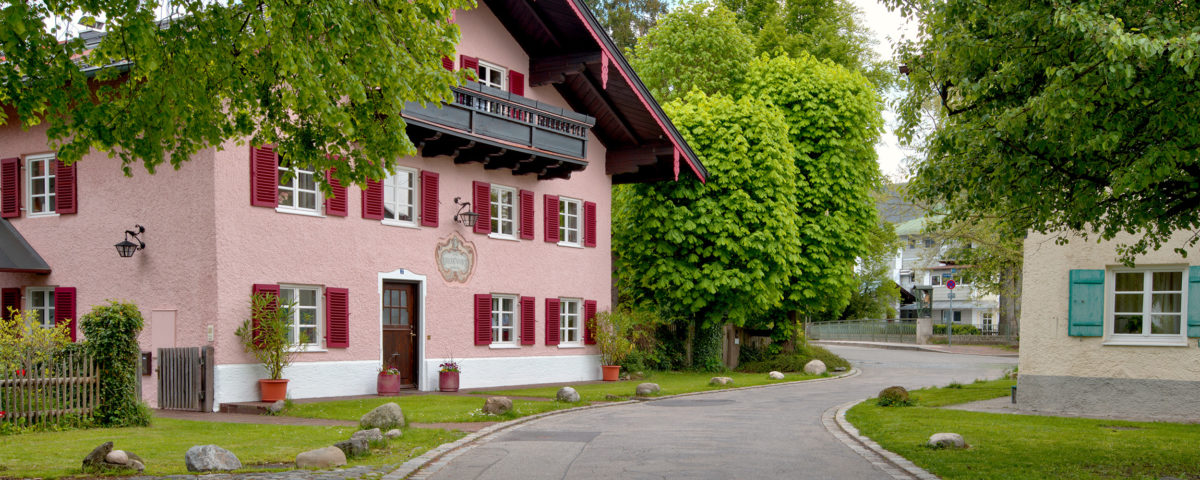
1006,446
423,408
670,382
162,445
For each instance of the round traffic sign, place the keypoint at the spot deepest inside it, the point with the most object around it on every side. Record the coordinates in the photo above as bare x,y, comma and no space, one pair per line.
950,284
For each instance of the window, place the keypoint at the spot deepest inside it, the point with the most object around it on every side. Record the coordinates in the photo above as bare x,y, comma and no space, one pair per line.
946,316
299,190
928,242
988,326
568,221
400,197
305,328
41,301
504,209
41,184
570,326
1147,304
504,317
937,280
912,242
491,75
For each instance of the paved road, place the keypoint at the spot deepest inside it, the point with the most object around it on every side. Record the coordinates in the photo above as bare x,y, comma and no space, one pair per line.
771,432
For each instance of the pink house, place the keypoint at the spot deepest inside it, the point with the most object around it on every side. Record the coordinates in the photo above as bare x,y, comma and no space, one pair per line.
384,274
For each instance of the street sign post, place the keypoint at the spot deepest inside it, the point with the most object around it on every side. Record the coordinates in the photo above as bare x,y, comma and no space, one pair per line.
950,284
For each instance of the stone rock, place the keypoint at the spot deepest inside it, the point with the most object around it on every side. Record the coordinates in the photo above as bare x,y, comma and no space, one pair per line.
206,458
839,369
95,460
393,433
497,405
383,417
277,406
354,447
815,367
720,381
567,394
946,440
617,398
372,435
117,457
327,457
775,375
646,389
137,465
134,458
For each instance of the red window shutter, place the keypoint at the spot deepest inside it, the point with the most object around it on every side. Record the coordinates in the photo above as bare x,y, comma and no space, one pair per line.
64,309
10,188
264,177
589,224
10,298
265,289
482,204
516,82
526,215
589,317
429,198
528,320
336,205
372,200
469,63
552,321
448,63
65,189
483,319
337,317
551,218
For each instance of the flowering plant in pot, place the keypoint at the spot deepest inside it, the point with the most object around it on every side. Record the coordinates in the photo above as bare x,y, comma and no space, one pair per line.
389,381
448,375
611,331
266,335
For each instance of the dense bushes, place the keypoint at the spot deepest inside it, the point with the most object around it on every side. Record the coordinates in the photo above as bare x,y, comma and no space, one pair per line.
758,360
111,331
940,329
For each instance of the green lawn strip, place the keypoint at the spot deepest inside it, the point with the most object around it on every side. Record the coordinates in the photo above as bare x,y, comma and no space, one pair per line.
1007,446
423,408
671,383
163,444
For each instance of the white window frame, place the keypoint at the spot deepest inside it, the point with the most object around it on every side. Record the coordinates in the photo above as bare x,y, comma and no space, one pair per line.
498,312
988,321
564,329
563,216
500,71
294,323
45,312
49,195
496,219
390,186
296,171
1145,338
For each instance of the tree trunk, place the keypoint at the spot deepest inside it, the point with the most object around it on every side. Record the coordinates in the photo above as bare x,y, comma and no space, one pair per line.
1010,301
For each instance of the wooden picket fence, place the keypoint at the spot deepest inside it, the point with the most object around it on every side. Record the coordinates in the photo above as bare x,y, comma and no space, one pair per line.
47,392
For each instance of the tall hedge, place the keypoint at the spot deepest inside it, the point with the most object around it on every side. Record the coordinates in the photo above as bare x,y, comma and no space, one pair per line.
111,339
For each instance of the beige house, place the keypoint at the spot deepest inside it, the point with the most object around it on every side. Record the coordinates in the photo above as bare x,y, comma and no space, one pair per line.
1102,338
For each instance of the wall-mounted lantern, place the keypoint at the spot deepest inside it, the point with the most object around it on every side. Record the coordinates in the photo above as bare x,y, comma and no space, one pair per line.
127,248
465,216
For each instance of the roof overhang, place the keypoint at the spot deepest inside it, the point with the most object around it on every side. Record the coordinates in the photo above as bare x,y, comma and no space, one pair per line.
16,255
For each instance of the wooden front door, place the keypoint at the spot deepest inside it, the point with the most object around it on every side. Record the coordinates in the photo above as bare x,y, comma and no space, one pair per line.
400,330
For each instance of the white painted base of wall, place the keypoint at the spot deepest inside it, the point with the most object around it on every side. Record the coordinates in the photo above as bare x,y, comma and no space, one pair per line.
504,371
239,382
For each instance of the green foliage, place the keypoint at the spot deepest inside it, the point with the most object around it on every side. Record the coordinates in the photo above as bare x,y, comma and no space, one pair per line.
612,330
1073,117
940,329
24,339
894,397
761,361
696,46
626,20
266,333
111,332
292,74
876,292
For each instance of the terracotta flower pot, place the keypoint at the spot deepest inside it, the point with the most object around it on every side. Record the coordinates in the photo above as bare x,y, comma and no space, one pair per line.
388,384
612,373
448,381
272,390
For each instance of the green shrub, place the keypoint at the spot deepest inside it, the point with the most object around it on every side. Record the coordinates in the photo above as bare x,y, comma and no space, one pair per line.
111,332
794,362
894,397
955,384
940,329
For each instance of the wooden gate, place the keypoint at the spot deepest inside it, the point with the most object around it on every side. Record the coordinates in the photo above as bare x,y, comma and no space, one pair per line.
185,378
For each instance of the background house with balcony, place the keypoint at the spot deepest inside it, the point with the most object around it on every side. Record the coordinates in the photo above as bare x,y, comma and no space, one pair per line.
922,259
385,275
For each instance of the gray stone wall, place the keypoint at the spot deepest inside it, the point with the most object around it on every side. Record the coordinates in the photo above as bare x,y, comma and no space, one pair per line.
1124,398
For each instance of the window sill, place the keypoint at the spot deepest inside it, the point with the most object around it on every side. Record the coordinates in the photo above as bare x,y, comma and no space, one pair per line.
297,211
308,349
41,215
398,223
1157,342
570,245
497,236
503,346
570,346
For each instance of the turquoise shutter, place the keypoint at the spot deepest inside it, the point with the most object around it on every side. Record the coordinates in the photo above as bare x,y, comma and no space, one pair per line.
1193,311
1086,313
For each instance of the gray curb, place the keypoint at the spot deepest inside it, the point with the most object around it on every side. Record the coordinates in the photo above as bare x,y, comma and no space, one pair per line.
901,346
430,462
900,468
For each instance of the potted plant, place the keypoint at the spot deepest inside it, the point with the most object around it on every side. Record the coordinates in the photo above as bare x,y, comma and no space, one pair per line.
388,382
448,376
265,335
610,330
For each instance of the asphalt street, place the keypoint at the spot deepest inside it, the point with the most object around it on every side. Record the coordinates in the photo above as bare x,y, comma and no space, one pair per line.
773,432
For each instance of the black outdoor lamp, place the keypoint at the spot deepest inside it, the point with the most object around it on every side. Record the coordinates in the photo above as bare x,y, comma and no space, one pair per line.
464,216
126,248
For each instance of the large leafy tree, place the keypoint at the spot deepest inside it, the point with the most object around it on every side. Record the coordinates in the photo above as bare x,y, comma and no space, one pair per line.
875,294
626,20
1059,116
324,81
697,46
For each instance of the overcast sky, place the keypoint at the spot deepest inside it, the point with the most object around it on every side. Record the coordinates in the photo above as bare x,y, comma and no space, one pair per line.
886,27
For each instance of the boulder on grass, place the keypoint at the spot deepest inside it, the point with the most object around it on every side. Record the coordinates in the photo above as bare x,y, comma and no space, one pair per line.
116,457
210,458
646,389
775,375
497,405
393,433
567,394
372,435
720,381
95,459
946,440
354,447
815,367
383,417
327,457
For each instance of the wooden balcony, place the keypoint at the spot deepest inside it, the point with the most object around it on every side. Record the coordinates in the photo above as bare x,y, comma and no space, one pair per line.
502,130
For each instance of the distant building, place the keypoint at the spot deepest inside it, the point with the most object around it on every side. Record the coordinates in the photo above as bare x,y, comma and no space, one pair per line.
921,260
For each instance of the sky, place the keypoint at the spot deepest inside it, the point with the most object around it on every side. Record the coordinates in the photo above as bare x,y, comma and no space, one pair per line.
887,27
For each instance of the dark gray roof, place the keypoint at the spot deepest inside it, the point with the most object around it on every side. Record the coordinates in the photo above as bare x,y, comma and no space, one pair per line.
15,253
